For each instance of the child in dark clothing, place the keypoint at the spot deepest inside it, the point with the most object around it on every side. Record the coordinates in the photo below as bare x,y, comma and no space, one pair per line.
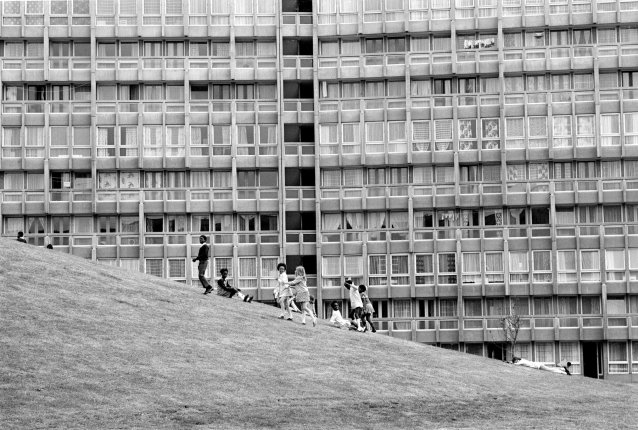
224,288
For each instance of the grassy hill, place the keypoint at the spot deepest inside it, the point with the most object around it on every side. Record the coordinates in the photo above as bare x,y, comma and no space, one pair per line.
84,345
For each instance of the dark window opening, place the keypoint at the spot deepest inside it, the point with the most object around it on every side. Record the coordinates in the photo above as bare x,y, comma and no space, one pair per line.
299,133
300,221
296,177
309,262
298,90
296,6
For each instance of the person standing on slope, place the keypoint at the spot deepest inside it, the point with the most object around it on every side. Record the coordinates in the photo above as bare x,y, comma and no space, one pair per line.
356,304
284,294
300,284
202,256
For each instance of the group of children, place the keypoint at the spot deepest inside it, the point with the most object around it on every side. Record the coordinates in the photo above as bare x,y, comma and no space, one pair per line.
360,313
288,292
285,297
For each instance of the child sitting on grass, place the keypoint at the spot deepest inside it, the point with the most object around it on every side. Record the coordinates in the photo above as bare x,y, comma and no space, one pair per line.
224,288
336,319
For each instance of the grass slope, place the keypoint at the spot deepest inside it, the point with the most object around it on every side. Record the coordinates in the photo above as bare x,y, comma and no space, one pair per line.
89,346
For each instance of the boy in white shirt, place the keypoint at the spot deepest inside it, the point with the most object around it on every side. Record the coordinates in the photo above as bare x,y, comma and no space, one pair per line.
356,304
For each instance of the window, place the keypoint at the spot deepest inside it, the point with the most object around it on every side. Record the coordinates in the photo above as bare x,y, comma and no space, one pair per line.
562,131
495,306
591,305
154,266
567,305
268,271
448,307
378,270
402,309
569,351
473,307
400,272
424,269
518,266
542,266
566,261
616,305
247,272
537,127
471,273
631,128
494,267
618,362
545,352
447,268
615,265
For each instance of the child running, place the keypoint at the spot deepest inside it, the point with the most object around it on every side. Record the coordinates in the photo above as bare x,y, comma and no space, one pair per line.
368,309
283,292
355,303
303,294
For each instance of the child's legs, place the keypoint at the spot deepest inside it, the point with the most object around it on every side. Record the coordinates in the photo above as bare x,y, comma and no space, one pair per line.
308,309
369,319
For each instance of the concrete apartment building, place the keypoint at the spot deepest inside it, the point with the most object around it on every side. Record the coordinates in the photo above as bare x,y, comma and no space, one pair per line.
463,158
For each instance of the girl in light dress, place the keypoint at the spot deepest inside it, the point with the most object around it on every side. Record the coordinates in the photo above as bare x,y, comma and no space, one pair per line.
300,284
283,292
368,309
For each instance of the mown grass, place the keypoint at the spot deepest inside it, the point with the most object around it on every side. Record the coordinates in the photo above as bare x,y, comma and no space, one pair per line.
89,346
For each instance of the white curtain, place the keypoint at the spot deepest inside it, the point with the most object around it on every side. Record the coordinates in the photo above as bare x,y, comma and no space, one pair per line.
354,220
248,267
374,131
518,261
200,179
351,132
329,133
444,174
471,262
494,262
402,309
175,179
267,134
350,47
422,175
399,220
376,220
332,222
610,124
351,90
448,307
583,81
331,265
378,265
396,131
353,265
567,305
198,6
243,7
615,259
545,352
174,7
611,169
327,6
